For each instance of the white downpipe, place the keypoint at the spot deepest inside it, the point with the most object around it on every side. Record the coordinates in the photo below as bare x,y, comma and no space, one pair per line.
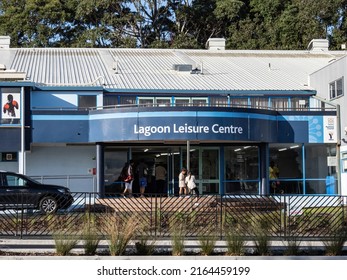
22,165
188,155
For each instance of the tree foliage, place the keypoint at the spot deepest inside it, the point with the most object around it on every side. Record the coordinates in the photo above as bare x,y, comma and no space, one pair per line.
245,24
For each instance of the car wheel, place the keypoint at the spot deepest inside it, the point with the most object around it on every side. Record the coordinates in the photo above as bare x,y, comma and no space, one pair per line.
48,205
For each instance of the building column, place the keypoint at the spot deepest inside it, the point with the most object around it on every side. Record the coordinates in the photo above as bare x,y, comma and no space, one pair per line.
264,168
100,180
221,171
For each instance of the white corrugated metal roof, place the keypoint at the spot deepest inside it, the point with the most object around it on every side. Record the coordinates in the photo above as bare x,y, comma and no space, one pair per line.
151,69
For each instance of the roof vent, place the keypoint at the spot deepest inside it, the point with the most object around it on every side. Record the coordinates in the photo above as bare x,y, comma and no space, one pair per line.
318,45
2,67
182,67
215,44
5,42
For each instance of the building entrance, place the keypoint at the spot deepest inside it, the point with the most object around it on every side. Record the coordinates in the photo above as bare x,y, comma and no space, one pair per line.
163,165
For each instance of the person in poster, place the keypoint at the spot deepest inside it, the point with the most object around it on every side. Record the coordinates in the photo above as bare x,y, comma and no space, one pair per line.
10,108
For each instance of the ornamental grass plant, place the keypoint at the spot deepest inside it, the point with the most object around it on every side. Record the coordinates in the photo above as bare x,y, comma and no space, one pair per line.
120,233
334,245
90,236
177,239
235,242
207,242
64,243
262,238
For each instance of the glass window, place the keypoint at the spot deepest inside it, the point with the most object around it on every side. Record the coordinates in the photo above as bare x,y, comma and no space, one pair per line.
241,169
320,176
114,159
110,100
279,103
344,162
219,101
146,101
15,181
86,101
332,89
299,103
336,88
127,100
182,101
288,160
260,102
163,101
199,101
339,87
239,102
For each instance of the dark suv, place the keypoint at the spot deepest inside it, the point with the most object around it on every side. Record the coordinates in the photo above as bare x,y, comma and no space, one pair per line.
18,191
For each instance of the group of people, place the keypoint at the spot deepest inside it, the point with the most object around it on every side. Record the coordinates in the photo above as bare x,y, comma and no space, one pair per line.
128,177
186,183
186,179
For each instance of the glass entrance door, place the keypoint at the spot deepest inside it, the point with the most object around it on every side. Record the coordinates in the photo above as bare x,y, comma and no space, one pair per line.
204,164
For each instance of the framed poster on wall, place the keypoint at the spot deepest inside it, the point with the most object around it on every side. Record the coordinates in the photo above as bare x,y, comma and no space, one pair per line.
10,106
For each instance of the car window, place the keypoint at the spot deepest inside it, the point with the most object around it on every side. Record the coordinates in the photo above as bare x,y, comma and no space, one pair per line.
15,181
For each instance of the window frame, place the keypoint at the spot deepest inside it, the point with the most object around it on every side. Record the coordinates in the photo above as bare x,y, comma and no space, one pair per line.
334,90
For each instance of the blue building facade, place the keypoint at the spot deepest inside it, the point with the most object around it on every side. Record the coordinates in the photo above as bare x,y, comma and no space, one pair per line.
82,134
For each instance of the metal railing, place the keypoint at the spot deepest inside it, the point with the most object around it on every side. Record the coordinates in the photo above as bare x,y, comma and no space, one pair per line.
185,105
283,216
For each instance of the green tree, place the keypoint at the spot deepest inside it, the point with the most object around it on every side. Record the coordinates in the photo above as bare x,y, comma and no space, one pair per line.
31,23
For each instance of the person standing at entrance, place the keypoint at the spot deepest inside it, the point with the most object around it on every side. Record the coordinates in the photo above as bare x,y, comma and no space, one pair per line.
190,182
142,171
182,182
274,173
160,178
128,179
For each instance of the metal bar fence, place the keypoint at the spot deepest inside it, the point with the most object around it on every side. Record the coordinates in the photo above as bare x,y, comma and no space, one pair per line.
282,216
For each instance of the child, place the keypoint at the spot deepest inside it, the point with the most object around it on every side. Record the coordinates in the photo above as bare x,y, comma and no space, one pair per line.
190,181
182,182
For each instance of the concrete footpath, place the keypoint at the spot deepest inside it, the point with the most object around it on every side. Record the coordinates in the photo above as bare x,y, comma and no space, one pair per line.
45,248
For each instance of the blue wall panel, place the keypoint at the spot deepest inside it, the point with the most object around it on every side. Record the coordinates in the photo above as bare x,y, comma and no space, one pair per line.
10,139
60,131
202,125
